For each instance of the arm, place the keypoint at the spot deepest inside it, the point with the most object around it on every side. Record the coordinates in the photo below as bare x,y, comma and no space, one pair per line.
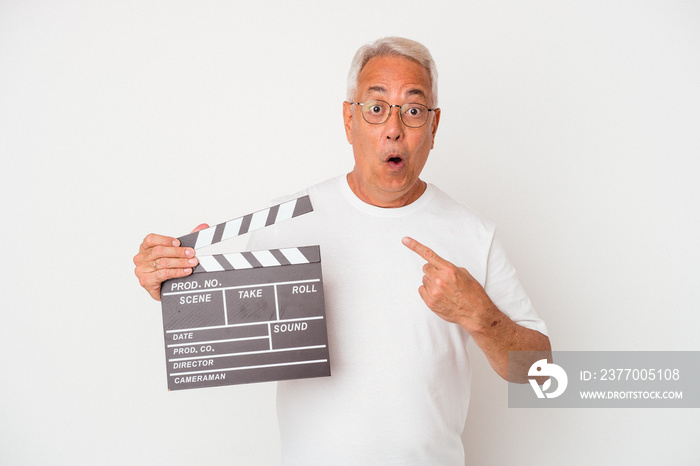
454,295
161,258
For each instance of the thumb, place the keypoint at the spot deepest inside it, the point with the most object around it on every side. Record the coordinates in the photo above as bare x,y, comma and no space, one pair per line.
200,227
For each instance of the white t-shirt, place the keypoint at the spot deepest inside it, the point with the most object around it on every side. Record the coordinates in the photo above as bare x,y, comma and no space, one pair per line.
400,377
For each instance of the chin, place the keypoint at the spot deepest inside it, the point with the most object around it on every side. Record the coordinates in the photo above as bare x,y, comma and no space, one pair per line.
398,186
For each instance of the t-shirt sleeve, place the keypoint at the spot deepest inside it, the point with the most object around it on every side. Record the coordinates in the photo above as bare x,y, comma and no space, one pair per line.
505,290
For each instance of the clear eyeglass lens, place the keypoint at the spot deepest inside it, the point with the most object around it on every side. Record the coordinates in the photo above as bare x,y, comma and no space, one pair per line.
377,112
414,114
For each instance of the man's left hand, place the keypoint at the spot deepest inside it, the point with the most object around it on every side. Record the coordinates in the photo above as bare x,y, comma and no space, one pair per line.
451,292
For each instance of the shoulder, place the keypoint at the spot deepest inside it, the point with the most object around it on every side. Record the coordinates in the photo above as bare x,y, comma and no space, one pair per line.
324,196
315,191
444,206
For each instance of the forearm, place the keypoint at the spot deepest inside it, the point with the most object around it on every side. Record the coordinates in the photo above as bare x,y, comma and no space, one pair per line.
496,334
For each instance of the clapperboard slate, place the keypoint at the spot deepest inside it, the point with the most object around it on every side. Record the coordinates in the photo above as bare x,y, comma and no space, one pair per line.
248,316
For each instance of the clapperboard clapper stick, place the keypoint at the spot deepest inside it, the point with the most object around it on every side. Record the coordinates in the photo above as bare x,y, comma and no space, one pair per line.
246,317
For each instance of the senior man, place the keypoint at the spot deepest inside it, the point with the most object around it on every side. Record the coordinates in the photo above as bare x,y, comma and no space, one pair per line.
399,313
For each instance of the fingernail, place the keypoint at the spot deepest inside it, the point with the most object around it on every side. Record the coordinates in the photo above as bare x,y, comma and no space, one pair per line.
188,271
189,252
176,242
192,261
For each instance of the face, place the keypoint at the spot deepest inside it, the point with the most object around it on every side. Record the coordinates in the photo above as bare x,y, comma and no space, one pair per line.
390,157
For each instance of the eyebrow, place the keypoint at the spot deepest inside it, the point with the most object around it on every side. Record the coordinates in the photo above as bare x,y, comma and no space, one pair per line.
418,92
378,89
410,92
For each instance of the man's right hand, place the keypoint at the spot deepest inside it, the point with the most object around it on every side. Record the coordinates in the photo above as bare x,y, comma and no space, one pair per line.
161,258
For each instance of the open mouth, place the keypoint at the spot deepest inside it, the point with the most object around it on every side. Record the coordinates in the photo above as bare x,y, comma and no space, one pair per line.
395,161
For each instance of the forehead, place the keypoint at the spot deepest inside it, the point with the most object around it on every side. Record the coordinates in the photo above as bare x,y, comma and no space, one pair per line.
394,76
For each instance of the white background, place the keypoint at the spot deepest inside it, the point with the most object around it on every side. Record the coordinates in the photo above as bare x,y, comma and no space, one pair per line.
575,126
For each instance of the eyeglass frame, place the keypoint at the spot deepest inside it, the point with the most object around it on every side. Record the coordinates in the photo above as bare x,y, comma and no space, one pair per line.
361,104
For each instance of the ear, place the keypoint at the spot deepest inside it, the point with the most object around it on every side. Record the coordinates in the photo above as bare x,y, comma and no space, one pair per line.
347,119
436,122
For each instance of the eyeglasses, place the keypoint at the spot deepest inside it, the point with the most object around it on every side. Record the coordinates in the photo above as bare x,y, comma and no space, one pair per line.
376,112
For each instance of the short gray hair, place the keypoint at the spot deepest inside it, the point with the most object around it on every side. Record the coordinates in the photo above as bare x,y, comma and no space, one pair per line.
394,46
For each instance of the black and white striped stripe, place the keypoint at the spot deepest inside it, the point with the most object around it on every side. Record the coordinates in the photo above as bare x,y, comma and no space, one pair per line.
242,225
256,259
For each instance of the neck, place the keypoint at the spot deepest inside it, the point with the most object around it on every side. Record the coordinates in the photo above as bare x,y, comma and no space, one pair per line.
390,199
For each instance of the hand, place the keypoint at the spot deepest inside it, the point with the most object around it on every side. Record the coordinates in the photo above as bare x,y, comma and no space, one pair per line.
452,293
161,258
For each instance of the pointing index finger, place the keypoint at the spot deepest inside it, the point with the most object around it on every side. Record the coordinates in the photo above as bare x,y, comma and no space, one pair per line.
425,252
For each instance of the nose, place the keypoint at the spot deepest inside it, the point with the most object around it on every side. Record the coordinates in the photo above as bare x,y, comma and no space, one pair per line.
393,128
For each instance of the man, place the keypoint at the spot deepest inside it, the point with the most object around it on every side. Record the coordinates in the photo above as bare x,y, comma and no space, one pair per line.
399,314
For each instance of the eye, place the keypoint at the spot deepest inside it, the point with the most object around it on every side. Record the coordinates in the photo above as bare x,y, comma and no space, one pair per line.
414,110
374,107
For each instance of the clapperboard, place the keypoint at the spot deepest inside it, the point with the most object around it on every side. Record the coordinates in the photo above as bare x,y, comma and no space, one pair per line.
246,317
